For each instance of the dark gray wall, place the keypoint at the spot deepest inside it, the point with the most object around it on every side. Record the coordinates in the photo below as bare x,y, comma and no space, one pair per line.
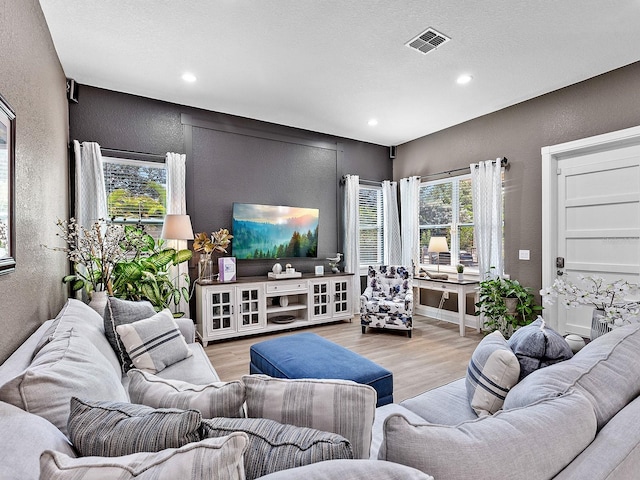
602,104
233,159
32,81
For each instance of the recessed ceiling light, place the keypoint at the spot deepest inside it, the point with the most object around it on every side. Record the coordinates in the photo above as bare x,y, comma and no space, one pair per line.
188,77
463,79
373,122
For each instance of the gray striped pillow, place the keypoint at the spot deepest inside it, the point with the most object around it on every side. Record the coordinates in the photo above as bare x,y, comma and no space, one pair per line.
218,399
154,343
205,460
493,370
112,429
274,446
339,406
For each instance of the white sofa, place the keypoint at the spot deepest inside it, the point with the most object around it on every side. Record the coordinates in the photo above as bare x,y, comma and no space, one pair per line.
25,436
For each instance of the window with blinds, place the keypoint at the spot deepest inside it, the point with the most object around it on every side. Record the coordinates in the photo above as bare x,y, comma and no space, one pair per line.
136,192
371,226
446,210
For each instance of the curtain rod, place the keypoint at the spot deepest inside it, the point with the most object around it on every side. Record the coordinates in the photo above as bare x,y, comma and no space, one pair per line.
361,180
504,162
155,156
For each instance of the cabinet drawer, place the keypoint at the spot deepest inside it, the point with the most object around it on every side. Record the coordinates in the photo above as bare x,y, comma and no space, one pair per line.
281,287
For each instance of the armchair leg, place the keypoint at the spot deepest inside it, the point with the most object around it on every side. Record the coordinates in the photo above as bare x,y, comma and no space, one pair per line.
364,329
409,333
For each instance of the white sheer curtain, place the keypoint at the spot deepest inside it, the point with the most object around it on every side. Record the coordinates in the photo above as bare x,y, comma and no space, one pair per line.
392,243
486,182
410,207
91,196
351,215
177,204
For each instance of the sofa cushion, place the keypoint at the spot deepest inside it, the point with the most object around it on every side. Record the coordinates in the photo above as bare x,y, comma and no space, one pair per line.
513,444
204,460
24,437
606,371
614,452
274,446
218,399
350,470
378,424
493,370
339,406
122,312
111,429
538,346
86,322
445,405
67,366
154,343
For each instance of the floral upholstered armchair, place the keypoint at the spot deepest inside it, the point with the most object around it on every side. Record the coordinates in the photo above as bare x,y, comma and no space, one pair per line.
387,302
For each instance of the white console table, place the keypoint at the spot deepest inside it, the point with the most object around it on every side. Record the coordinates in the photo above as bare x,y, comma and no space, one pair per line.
461,288
253,305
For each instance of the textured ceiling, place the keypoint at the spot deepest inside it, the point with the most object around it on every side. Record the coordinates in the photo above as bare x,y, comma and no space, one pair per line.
332,65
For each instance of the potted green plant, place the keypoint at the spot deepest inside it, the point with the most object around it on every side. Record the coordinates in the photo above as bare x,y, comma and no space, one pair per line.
460,270
146,275
505,305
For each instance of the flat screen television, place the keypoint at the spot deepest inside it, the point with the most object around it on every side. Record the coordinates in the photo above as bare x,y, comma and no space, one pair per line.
269,231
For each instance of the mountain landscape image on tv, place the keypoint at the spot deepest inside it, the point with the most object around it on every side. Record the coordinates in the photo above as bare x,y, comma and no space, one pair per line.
269,231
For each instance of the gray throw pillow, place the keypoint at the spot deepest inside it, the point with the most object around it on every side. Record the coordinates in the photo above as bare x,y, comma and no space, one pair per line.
154,343
120,312
217,399
538,346
112,429
205,460
274,446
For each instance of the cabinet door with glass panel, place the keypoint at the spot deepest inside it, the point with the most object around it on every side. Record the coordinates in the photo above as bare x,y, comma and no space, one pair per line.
215,312
320,305
341,294
251,306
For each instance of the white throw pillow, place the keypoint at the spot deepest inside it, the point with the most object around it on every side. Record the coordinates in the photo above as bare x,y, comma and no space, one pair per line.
493,370
339,406
154,343
211,458
217,399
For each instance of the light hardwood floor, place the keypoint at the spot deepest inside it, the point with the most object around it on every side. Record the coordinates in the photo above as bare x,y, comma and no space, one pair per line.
435,355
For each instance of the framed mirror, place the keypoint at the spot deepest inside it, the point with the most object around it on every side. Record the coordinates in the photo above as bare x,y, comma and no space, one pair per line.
7,187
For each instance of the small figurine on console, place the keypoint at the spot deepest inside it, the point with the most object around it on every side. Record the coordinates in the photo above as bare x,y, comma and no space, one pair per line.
333,263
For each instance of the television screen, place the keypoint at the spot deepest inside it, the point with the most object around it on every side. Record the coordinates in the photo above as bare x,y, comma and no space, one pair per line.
268,231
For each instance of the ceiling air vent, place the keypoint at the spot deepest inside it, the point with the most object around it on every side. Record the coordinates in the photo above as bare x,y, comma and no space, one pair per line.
427,41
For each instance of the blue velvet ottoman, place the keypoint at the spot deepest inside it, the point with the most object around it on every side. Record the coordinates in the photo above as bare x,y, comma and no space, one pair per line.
307,355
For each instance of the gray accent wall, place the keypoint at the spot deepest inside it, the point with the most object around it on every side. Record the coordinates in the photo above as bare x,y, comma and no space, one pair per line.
234,159
605,103
33,82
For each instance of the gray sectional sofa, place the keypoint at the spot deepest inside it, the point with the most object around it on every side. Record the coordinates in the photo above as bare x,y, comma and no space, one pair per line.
71,357
577,419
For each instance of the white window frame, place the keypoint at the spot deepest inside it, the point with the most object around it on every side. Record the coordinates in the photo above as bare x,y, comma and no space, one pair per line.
454,247
379,226
141,163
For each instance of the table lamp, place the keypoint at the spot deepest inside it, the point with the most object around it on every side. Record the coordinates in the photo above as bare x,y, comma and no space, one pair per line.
438,245
177,227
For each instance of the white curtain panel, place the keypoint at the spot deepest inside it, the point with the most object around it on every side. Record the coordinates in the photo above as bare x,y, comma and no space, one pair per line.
486,182
177,205
351,215
410,209
91,196
392,244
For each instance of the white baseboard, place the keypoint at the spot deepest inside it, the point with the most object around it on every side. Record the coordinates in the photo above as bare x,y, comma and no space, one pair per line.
470,321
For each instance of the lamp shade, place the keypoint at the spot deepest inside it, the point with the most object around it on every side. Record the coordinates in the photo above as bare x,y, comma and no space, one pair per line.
177,227
438,245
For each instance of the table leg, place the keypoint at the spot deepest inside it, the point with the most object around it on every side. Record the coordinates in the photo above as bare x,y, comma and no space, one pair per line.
462,307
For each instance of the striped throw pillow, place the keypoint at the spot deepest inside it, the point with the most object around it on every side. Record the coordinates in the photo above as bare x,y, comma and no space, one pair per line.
339,406
218,399
112,429
207,459
493,370
274,446
154,343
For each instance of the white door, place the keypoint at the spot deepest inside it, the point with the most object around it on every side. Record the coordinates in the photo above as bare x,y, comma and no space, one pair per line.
591,216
